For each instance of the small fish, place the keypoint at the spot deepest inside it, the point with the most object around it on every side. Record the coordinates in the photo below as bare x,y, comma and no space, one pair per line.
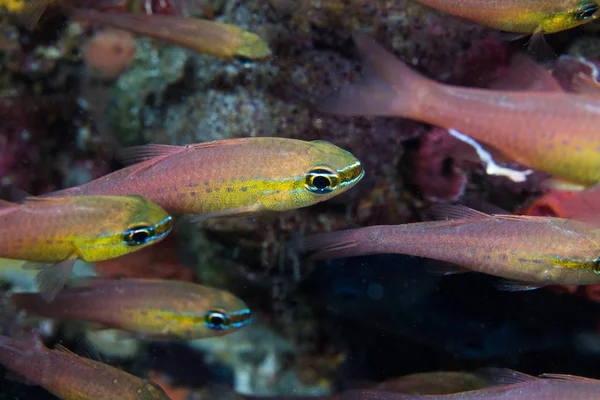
210,37
71,377
535,17
551,131
534,251
151,308
509,385
87,228
231,177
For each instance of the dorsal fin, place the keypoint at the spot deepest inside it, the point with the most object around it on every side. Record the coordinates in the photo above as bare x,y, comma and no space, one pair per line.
137,154
450,212
570,378
524,74
68,354
504,376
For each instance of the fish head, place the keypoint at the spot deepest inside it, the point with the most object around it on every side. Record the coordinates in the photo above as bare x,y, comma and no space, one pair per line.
132,223
578,12
329,172
210,312
151,391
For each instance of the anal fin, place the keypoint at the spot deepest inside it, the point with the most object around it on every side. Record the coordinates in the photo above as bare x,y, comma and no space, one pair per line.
518,286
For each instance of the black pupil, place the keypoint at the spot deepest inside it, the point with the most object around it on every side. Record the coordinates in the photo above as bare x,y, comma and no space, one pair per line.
138,235
587,11
321,182
216,320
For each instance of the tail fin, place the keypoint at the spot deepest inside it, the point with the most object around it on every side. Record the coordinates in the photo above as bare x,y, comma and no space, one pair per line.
389,87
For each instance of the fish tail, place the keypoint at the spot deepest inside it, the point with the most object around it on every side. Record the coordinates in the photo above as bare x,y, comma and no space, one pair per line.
330,245
389,87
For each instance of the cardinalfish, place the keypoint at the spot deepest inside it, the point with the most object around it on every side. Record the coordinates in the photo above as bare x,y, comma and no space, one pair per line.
442,382
530,252
231,177
210,37
521,16
150,308
551,131
87,228
71,377
508,385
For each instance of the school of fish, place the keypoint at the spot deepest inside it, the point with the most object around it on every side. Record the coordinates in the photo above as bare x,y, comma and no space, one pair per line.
541,127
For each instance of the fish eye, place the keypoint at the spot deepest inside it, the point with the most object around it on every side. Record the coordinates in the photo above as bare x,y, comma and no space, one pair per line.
586,11
596,267
321,181
138,235
216,320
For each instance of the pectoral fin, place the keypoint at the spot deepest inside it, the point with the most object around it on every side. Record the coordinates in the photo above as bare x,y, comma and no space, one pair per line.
52,278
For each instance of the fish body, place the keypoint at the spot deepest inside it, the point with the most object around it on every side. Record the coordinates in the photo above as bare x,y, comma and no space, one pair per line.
521,16
70,377
59,231
551,131
537,250
210,37
89,228
232,177
433,383
152,308
518,387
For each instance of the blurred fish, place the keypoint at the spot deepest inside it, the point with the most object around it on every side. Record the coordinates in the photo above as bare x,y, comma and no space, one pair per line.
551,131
151,308
71,377
215,38
88,228
443,382
536,251
510,385
580,206
231,177
521,16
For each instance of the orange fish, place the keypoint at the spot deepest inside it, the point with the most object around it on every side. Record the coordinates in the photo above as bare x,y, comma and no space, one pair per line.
522,16
210,37
536,251
60,231
71,377
231,177
551,131
152,308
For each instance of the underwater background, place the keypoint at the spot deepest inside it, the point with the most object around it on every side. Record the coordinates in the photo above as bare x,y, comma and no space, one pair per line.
75,91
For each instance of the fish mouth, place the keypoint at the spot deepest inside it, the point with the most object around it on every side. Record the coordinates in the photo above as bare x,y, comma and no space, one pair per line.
351,174
163,228
239,319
